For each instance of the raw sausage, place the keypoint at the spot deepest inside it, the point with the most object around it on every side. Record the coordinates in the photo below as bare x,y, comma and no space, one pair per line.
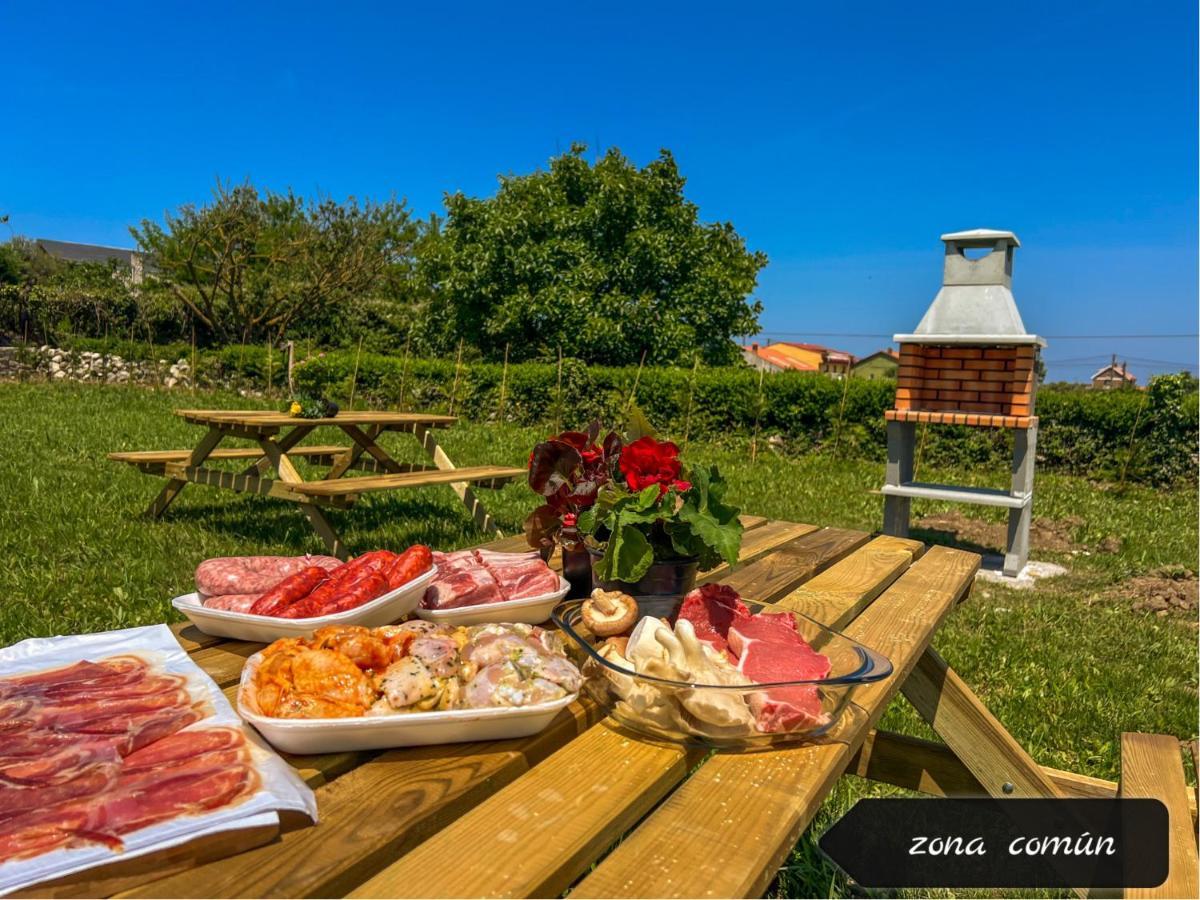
414,561
252,574
346,594
232,602
289,591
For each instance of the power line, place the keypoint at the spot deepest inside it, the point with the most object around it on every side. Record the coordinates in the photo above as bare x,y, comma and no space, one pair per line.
1053,337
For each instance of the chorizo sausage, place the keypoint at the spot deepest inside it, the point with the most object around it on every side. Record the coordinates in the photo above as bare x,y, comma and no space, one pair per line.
289,591
414,561
345,594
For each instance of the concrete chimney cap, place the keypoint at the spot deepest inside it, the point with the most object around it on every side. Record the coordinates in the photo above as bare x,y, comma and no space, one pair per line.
981,237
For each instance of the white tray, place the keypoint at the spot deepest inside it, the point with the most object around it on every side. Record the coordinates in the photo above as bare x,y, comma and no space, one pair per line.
530,611
451,726
383,610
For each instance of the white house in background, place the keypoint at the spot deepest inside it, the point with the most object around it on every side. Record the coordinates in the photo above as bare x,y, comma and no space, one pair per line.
69,251
1114,375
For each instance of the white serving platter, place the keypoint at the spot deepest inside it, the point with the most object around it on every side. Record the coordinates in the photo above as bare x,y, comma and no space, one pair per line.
452,726
529,611
383,610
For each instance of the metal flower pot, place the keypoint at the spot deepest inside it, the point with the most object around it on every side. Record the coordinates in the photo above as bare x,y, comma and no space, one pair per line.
664,578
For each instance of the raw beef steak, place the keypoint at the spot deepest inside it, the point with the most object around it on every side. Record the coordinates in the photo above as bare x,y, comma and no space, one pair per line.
769,649
712,609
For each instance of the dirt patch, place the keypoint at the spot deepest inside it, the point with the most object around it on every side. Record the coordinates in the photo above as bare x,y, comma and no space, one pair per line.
1044,534
1164,592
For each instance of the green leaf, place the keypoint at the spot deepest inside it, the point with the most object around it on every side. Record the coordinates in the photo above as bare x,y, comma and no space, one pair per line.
587,521
628,555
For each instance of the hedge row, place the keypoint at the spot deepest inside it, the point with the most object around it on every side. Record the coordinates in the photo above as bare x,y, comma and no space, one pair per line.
1149,435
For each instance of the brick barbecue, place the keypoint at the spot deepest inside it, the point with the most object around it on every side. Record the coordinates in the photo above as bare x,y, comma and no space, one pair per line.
955,385
969,362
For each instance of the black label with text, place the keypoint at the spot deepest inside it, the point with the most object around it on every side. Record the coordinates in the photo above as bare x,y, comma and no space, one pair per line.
1002,843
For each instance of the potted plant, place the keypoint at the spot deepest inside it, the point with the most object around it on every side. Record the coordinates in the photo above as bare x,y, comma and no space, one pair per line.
651,523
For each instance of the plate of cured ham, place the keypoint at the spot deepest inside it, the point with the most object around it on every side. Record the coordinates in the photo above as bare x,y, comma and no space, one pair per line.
477,587
116,745
264,598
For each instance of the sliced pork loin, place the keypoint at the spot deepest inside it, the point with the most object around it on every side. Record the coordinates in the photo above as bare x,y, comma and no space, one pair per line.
460,581
768,650
478,577
520,575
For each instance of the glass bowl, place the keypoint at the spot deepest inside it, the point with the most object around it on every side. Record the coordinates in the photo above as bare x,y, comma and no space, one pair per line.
724,715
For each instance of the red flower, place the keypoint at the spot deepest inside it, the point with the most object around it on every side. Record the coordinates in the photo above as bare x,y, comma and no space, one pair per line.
647,461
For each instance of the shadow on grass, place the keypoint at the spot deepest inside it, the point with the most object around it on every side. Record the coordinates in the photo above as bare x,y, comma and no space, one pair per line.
383,521
950,539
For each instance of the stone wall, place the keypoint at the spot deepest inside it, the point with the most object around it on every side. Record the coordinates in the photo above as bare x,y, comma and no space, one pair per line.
64,365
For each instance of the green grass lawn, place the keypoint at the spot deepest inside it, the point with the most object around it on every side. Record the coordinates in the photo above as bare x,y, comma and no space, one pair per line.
1067,666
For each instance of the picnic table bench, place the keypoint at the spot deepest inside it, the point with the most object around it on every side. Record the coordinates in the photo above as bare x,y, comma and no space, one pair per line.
278,438
592,809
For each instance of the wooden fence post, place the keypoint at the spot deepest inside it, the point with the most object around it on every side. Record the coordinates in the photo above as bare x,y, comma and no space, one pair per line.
404,370
558,410
1137,420
636,380
354,377
503,386
837,434
757,417
687,421
457,372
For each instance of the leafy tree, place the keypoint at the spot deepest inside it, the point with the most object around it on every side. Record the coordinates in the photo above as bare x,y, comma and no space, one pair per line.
255,264
606,261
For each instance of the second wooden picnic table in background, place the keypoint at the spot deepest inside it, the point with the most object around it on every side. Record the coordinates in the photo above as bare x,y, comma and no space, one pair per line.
278,436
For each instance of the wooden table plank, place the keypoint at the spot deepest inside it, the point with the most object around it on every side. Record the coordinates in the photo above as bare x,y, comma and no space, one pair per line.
1152,766
781,571
423,478
567,811
733,823
836,596
374,814
265,417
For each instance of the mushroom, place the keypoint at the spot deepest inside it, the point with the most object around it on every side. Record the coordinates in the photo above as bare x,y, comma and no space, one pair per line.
607,613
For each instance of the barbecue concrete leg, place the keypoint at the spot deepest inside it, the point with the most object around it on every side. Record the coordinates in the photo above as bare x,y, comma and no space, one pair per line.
1024,452
902,442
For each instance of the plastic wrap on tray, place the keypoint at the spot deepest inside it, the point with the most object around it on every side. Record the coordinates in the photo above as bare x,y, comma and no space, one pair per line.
172,764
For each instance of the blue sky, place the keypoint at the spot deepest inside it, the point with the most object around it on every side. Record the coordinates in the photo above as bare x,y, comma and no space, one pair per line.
841,139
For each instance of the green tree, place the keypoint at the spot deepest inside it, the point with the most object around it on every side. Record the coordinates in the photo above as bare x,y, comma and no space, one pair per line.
606,261
254,264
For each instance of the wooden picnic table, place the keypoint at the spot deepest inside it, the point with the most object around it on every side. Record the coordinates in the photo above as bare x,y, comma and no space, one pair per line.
592,809
278,438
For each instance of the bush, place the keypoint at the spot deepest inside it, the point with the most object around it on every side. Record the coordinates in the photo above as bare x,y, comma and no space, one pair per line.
1081,432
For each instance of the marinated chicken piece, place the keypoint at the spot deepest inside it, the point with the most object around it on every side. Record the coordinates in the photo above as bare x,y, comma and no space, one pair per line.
367,650
312,684
407,683
439,654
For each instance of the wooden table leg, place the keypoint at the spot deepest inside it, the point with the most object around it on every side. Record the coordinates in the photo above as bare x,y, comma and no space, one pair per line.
171,489
976,736
288,474
430,445
286,443
363,441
